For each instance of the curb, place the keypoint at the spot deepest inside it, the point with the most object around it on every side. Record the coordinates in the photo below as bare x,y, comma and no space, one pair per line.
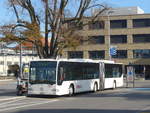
6,80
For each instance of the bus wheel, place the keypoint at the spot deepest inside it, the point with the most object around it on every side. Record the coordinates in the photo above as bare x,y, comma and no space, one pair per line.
95,87
114,85
71,90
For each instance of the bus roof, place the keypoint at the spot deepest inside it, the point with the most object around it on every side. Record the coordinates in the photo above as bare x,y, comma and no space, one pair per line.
79,60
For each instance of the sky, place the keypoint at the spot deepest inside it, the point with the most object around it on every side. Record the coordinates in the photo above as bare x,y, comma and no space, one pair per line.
6,15
143,4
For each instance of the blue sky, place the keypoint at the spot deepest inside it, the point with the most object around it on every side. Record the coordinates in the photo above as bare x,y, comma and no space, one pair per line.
6,15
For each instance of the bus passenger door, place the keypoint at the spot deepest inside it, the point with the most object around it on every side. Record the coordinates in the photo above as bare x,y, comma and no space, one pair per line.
101,76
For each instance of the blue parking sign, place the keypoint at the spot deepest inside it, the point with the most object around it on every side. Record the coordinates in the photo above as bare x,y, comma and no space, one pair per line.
130,73
113,51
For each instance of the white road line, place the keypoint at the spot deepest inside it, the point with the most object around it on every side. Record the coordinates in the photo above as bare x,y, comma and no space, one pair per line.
29,105
4,103
144,110
17,104
12,98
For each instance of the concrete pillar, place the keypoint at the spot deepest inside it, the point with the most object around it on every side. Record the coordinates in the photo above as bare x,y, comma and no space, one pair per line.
129,39
129,24
85,54
130,54
64,54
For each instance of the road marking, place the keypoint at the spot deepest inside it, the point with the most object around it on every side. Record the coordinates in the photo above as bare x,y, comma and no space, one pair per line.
29,105
18,104
4,103
12,98
145,110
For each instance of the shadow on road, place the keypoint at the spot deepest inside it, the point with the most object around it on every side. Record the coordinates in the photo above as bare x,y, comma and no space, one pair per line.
77,111
8,93
43,96
131,94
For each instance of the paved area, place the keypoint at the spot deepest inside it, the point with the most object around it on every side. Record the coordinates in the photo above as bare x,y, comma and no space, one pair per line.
7,89
121,100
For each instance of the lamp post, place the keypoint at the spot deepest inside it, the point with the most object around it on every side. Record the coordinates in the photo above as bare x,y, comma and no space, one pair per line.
3,55
20,58
109,45
20,54
4,52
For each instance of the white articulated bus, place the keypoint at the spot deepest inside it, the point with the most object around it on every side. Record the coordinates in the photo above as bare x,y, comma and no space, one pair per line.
69,76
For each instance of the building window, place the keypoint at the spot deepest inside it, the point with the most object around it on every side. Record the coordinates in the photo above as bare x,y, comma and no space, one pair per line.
120,54
118,24
139,69
9,63
96,54
73,25
75,54
97,25
141,22
141,38
141,53
16,63
1,62
116,39
96,40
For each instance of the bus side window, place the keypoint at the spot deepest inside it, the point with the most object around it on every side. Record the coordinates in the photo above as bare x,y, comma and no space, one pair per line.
61,76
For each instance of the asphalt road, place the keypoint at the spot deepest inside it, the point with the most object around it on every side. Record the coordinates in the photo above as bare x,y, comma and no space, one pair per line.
122,100
7,88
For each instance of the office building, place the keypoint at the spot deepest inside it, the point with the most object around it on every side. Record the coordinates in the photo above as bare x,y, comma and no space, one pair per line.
126,29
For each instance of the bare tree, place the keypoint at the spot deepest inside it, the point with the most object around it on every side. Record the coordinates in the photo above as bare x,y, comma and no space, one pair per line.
58,14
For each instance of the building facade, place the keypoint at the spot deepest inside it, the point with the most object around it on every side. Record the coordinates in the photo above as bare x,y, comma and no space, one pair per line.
10,57
129,34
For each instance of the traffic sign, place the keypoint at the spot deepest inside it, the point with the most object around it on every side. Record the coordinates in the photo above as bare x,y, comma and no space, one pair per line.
113,51
130,73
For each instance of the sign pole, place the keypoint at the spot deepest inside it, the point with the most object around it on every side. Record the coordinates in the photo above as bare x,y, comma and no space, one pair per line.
130,75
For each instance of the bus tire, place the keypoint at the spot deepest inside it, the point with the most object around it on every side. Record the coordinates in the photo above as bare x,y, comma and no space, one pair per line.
114,85
71,90
95,89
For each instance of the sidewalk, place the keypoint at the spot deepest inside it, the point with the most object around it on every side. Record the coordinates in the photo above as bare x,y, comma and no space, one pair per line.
6,78
139,84
1,80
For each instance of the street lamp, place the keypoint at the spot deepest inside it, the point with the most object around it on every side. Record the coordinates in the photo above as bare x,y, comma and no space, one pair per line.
109,45
20,59
20,54
3,54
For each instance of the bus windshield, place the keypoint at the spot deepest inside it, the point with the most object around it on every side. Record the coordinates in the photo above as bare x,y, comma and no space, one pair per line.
42,72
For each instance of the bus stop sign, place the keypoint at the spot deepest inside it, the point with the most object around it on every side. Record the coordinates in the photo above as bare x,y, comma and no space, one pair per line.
130,73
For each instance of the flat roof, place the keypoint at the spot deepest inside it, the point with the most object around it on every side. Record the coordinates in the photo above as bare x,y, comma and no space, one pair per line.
79,60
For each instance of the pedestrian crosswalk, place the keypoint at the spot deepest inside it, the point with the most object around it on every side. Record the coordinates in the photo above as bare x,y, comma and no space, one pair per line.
23,102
